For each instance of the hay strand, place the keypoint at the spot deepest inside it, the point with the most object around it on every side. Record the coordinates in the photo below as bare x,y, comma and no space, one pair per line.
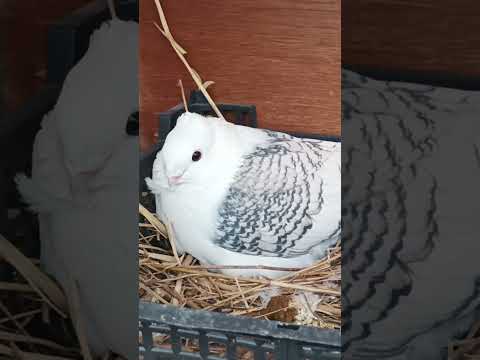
41,283
153,220
171,239
165,31
180,85
111,8
468,348
77,320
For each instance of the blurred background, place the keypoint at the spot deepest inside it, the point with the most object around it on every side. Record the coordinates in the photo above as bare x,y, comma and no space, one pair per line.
26,94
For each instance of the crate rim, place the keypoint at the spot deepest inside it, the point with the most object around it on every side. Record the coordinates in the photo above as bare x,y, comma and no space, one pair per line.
153,313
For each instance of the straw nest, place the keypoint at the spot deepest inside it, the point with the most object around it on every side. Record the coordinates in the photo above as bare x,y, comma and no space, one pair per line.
310,296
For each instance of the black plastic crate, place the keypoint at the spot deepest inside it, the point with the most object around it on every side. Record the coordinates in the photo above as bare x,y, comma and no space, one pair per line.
262,338
265,339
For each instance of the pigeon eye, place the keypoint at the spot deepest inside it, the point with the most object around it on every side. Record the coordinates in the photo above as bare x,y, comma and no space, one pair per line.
197,155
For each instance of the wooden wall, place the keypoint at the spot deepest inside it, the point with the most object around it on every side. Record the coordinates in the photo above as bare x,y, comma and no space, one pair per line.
24,26
422,36
281,55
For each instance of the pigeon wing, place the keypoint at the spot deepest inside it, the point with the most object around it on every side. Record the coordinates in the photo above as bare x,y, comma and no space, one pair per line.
270,207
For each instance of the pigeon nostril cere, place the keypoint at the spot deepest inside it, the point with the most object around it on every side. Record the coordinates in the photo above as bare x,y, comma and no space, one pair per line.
174,180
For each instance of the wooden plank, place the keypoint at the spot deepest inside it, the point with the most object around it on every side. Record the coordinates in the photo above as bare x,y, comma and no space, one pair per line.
281,55
421,36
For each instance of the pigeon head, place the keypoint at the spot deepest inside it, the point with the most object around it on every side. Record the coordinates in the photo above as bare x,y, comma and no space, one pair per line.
187,151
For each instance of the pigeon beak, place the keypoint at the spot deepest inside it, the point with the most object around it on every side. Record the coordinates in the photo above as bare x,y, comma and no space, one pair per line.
174,180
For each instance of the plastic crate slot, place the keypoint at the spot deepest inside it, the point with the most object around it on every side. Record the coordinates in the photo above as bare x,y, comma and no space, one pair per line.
260,352
209,345
175,341
146,334
190,345
288,326
216,349
244,353
316,353
231,347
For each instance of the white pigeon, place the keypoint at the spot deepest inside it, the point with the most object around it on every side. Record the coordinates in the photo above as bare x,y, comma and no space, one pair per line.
85,167
238,196
410,205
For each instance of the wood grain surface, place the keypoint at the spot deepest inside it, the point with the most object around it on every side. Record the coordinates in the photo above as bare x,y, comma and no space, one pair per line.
281,55
24,26
422,36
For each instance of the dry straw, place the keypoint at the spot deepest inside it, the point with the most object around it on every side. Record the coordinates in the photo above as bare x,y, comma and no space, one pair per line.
39,296
188,284
180,51
182,281
180,85
468,348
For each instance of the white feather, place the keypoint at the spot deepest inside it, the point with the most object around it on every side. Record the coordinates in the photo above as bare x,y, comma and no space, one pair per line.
193,206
